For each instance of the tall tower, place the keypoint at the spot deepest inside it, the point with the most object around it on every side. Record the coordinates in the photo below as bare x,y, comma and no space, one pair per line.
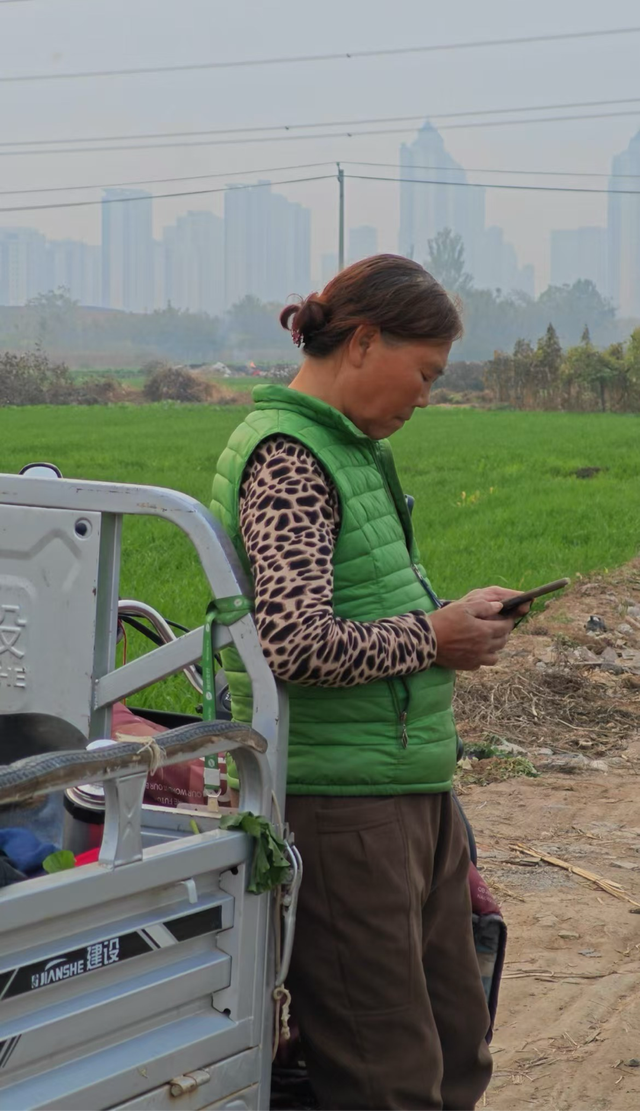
127,250
194,263
24,269
623,234
267,245
427,209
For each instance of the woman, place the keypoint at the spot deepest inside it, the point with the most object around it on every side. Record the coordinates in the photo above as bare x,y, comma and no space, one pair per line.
384,976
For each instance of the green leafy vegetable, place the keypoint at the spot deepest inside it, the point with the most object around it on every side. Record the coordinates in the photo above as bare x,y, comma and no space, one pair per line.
59,862
270,864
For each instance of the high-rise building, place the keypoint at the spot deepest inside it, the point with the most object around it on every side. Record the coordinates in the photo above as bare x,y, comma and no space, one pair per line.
426,209
623,233
579,253
497,266
267,245
159,253
76,267
24,270
441,198
127,250
363,242
194,263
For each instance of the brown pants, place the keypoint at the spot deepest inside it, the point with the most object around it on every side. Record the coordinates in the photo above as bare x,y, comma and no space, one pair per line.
384,976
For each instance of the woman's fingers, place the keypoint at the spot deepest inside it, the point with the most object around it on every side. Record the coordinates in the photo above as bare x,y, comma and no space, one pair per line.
466,636
500,632
481,607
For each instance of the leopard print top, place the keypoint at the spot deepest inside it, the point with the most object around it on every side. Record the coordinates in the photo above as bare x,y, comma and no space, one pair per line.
289,521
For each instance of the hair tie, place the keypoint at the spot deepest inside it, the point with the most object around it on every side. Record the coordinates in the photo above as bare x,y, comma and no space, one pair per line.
296,336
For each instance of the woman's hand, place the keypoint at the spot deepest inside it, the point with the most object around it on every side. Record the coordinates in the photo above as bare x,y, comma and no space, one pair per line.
469,633
496,594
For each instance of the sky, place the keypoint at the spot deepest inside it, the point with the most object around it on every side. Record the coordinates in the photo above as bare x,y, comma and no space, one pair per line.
58,36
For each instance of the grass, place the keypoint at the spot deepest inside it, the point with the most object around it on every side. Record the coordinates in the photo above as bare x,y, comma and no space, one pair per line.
497,498
133,377
124,374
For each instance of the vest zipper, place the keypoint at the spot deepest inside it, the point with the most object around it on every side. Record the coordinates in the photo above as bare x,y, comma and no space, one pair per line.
401,714
425,586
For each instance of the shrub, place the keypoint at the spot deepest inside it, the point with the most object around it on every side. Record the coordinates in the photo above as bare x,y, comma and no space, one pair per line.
32,379
176,383
171,383
102,391
152,366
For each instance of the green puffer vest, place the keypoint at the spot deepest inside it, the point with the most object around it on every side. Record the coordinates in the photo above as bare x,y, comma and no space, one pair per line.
388,737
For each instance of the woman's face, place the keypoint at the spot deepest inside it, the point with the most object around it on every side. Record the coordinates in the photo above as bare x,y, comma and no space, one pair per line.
380,382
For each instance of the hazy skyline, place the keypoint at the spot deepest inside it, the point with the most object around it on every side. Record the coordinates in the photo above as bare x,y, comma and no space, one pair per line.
69,35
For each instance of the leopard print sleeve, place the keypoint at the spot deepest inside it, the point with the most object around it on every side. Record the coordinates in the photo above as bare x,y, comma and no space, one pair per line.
289,520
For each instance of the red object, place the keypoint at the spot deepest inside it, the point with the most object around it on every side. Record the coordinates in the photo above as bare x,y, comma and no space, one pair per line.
482,901
180,783
90,857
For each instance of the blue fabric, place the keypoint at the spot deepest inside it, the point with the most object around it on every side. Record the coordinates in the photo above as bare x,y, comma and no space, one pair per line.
45,817
25,851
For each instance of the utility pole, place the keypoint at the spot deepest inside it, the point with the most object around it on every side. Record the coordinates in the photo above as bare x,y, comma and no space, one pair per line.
340,218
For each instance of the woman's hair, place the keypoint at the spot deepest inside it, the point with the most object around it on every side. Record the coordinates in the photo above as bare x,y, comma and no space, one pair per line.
390,292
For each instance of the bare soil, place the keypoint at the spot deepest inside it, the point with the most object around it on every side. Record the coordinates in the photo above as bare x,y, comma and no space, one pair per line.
568,1031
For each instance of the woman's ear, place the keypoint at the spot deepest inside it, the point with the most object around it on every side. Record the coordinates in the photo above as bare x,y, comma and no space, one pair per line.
361,342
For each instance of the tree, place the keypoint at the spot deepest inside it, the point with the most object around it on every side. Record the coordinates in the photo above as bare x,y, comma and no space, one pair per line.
58,301
545,369
632,357
253,329
176,333
55,314
592,374
446,262
574,307
522,373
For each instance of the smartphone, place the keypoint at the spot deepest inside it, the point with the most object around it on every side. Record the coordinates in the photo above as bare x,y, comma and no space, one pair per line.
513,603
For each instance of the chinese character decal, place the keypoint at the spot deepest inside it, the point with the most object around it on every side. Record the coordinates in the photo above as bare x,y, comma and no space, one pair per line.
13,672
11,626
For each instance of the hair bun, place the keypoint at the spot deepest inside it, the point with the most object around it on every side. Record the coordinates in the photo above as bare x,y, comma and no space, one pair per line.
305,319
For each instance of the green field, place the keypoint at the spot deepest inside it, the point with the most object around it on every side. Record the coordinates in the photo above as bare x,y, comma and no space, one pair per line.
497,498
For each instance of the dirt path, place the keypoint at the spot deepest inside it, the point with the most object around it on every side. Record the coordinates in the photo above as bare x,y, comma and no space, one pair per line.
570,1002
568,1031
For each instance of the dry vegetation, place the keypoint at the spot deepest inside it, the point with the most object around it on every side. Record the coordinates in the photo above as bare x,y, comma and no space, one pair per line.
561,850
34,379
562,692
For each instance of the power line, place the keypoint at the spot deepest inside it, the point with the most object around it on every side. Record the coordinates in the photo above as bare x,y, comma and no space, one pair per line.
324,177
165,180
164,196
476,44
299,166
301,138
493,170
311,126
494,185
